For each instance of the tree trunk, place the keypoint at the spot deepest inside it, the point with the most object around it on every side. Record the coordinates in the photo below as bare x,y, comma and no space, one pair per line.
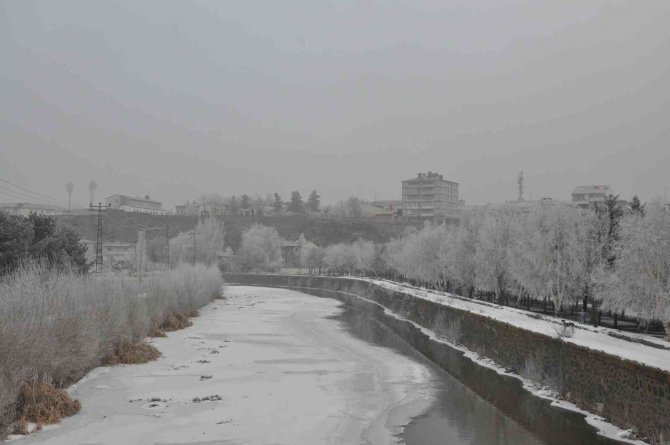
585,303
615,319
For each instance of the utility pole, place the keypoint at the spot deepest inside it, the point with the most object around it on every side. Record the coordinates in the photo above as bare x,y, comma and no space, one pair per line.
195,252
141,249
167,244
98,241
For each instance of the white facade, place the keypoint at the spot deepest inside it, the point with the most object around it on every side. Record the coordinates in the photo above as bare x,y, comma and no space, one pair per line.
587,195
135,204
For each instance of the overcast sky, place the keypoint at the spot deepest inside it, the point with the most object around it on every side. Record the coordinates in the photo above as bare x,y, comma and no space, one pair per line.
174,99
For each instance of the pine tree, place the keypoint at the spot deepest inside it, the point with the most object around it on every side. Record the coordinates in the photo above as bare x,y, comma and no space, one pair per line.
313,202
296,205
636,205
278,204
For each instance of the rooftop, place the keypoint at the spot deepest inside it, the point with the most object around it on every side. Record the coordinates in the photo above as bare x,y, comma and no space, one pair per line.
592,189
146,198
429,175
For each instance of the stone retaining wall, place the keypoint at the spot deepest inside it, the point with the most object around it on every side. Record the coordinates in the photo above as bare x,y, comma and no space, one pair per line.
626,393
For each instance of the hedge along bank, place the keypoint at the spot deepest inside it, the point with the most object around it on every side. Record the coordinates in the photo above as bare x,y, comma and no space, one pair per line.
626,383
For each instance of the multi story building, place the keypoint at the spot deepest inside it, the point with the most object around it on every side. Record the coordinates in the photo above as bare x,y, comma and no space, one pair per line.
586,195
135,204
26,208
115,255
430,196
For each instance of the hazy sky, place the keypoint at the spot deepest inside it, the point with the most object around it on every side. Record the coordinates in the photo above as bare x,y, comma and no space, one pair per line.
175,98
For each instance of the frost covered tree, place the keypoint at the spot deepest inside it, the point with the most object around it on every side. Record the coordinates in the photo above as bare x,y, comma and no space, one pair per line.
460,255
201,245
640,279
526,268
210,236
260,249
591,251
358,256
311,257
556,247
492,272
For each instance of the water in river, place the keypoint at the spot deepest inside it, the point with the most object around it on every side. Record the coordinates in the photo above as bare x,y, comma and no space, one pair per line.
492,410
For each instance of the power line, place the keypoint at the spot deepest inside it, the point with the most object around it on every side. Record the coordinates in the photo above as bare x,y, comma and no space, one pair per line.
25,191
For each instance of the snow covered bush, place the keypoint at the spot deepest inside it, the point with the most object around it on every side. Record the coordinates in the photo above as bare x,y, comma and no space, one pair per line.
564,330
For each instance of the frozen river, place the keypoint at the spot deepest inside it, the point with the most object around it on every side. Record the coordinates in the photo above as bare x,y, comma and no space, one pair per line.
274,366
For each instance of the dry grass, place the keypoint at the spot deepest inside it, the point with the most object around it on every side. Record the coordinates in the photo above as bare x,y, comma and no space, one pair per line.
128,352
42,404
191,312
156,332
174,322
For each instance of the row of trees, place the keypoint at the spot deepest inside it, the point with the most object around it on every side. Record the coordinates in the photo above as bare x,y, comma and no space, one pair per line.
351,207
261,250
611,257
238,205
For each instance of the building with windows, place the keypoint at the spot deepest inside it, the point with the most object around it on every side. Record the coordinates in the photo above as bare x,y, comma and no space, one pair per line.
195,208
115,255
586,195
430,197
135,204
26,208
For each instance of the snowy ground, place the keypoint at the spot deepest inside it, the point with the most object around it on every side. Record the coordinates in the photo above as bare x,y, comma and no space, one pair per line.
254,369
585,335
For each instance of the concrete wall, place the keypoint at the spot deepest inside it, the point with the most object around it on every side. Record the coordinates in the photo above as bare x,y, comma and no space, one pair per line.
627,394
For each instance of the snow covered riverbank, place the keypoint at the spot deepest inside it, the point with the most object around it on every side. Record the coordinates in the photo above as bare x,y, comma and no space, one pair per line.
263,366
599,339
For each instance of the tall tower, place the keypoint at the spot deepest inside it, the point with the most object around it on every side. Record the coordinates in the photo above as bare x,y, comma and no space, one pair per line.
520,183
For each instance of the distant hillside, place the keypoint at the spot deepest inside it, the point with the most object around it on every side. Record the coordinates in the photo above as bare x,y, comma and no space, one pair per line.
321,231
123,226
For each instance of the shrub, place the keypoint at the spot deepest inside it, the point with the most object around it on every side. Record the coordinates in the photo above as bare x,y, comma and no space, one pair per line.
41,403
564,330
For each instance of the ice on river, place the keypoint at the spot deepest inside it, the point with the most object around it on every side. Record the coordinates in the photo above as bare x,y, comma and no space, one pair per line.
262,366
